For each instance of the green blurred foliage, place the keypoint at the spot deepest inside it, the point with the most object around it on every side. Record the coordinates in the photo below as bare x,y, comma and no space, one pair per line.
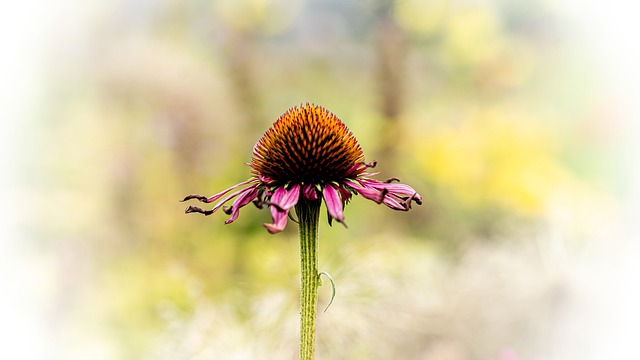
167,98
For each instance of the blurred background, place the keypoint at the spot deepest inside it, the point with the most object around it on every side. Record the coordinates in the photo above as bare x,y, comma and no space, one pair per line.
516,121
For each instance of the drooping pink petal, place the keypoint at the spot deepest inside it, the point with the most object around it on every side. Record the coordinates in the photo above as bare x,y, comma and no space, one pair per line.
333,202
345,195
395,196
401,190
193,209
404,192
395,204
265,179
367,192
290,198
229,197
242,200
309,191
279,218
218,195
282,200
371,194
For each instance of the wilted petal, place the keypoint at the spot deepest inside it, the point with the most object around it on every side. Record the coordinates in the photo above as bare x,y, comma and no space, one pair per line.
345,195
282,200
404,192
218,195
371,194
242,200
279,220
334,204
395,204
228,197
395,196
290,198
285,200
192,209
367,192
309,191
195,209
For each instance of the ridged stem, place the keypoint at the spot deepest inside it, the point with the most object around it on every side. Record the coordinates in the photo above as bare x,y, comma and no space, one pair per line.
308,215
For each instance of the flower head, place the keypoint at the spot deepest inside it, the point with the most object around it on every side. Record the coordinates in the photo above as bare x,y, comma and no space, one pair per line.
308,154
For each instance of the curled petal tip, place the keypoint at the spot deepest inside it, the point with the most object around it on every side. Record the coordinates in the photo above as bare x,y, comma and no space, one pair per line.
258,203
272,228
341,221
195,209
195,196
371,164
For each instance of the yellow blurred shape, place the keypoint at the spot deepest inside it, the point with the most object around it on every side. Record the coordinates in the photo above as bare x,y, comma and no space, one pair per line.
421,17
494,157
268,17
472,35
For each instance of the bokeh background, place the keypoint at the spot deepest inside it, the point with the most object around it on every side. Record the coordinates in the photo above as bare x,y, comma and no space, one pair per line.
516,121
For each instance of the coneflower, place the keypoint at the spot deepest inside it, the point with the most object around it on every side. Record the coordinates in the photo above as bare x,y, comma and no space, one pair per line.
307,155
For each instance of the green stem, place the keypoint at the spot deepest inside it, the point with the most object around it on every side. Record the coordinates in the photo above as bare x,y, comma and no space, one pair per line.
308,216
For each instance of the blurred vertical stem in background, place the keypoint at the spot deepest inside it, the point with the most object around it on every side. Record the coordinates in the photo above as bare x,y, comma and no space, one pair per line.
308,216
391,49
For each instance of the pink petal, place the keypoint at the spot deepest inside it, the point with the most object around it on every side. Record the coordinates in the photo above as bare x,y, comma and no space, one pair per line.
242,200
395,196
229,197
221,194
395,204
279,220
284,199
371,194
345,195
290,199
309,192
334,204
356,169
367,192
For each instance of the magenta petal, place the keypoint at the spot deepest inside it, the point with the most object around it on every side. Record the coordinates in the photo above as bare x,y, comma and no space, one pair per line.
284,199
229,197
242,200
371,194
395,204
345,195
290,199
281,202
279,220
395,196
400,189
278,194
334,204
221,194
356,169
309,192
367,192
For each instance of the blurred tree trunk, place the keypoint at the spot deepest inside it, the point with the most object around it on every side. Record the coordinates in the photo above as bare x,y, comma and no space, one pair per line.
390,49
242,75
